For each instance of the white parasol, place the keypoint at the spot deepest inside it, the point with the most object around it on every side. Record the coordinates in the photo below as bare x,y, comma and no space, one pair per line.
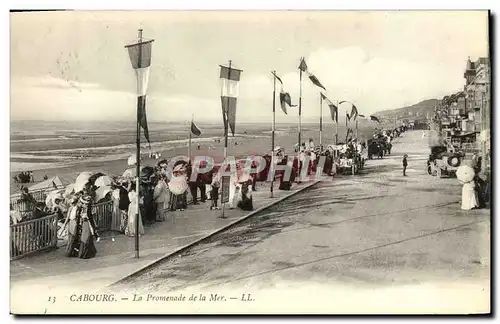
102,181
465,173
132,160
81,181
178,185
130,173
101,192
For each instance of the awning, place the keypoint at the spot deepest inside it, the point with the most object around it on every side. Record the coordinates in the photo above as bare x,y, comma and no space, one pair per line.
466,134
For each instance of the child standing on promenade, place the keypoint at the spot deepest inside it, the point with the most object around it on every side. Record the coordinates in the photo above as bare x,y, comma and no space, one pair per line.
214,194
405,164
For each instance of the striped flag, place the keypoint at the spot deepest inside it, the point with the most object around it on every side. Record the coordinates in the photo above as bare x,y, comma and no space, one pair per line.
140,57
334,111
285,98
230,79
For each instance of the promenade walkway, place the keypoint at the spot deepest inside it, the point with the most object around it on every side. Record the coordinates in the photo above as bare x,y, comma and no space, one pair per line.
116,259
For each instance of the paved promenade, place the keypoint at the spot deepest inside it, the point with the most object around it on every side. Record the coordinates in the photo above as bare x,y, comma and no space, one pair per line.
116,259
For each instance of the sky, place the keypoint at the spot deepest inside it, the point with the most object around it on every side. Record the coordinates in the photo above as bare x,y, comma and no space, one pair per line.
73,65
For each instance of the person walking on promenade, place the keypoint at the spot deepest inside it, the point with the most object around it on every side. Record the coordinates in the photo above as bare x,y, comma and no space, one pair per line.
214,194
133,217
161,198
405,164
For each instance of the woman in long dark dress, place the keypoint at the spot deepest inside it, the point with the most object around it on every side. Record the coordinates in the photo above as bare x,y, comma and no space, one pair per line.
81,230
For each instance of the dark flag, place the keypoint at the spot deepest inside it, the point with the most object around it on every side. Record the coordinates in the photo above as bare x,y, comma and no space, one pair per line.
334,111
354,112
375,119
316,82
194,129
285,99
303,65
143,121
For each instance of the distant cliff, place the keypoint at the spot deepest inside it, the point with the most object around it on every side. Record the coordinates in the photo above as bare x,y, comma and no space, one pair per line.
416,112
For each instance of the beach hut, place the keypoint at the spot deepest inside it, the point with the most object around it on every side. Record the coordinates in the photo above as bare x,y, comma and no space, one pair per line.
52,183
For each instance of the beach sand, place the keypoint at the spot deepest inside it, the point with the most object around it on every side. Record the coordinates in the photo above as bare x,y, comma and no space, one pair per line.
108,151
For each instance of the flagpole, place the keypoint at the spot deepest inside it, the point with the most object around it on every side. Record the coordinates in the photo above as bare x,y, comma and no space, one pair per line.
337,125
300,121
272,133
357,138
189,146
346,128
140,102
320,120
226,131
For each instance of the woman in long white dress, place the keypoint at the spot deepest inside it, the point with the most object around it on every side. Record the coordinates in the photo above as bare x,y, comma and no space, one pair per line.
132,218
161,198
469,199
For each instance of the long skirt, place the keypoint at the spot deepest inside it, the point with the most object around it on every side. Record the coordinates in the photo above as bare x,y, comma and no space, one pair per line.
469,199
131,226
73,239
116,218
87,248
160,211
178,201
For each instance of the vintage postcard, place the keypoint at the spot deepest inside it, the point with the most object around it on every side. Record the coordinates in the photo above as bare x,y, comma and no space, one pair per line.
250,162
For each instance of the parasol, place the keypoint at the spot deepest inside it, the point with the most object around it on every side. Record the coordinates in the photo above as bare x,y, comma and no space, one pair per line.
178,185
130,173
465,173
81,181
101,192
102,181
132,160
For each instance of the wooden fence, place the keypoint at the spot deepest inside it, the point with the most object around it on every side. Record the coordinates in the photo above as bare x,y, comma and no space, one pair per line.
41,234
33,236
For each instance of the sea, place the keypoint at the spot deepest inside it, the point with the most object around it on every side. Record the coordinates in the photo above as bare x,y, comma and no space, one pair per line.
38,145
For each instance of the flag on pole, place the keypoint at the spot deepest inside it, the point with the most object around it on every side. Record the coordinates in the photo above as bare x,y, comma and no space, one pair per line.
229,94
334,111
312,77
315,81
303,65
370,118
285,98
354,111
194,129
140,57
